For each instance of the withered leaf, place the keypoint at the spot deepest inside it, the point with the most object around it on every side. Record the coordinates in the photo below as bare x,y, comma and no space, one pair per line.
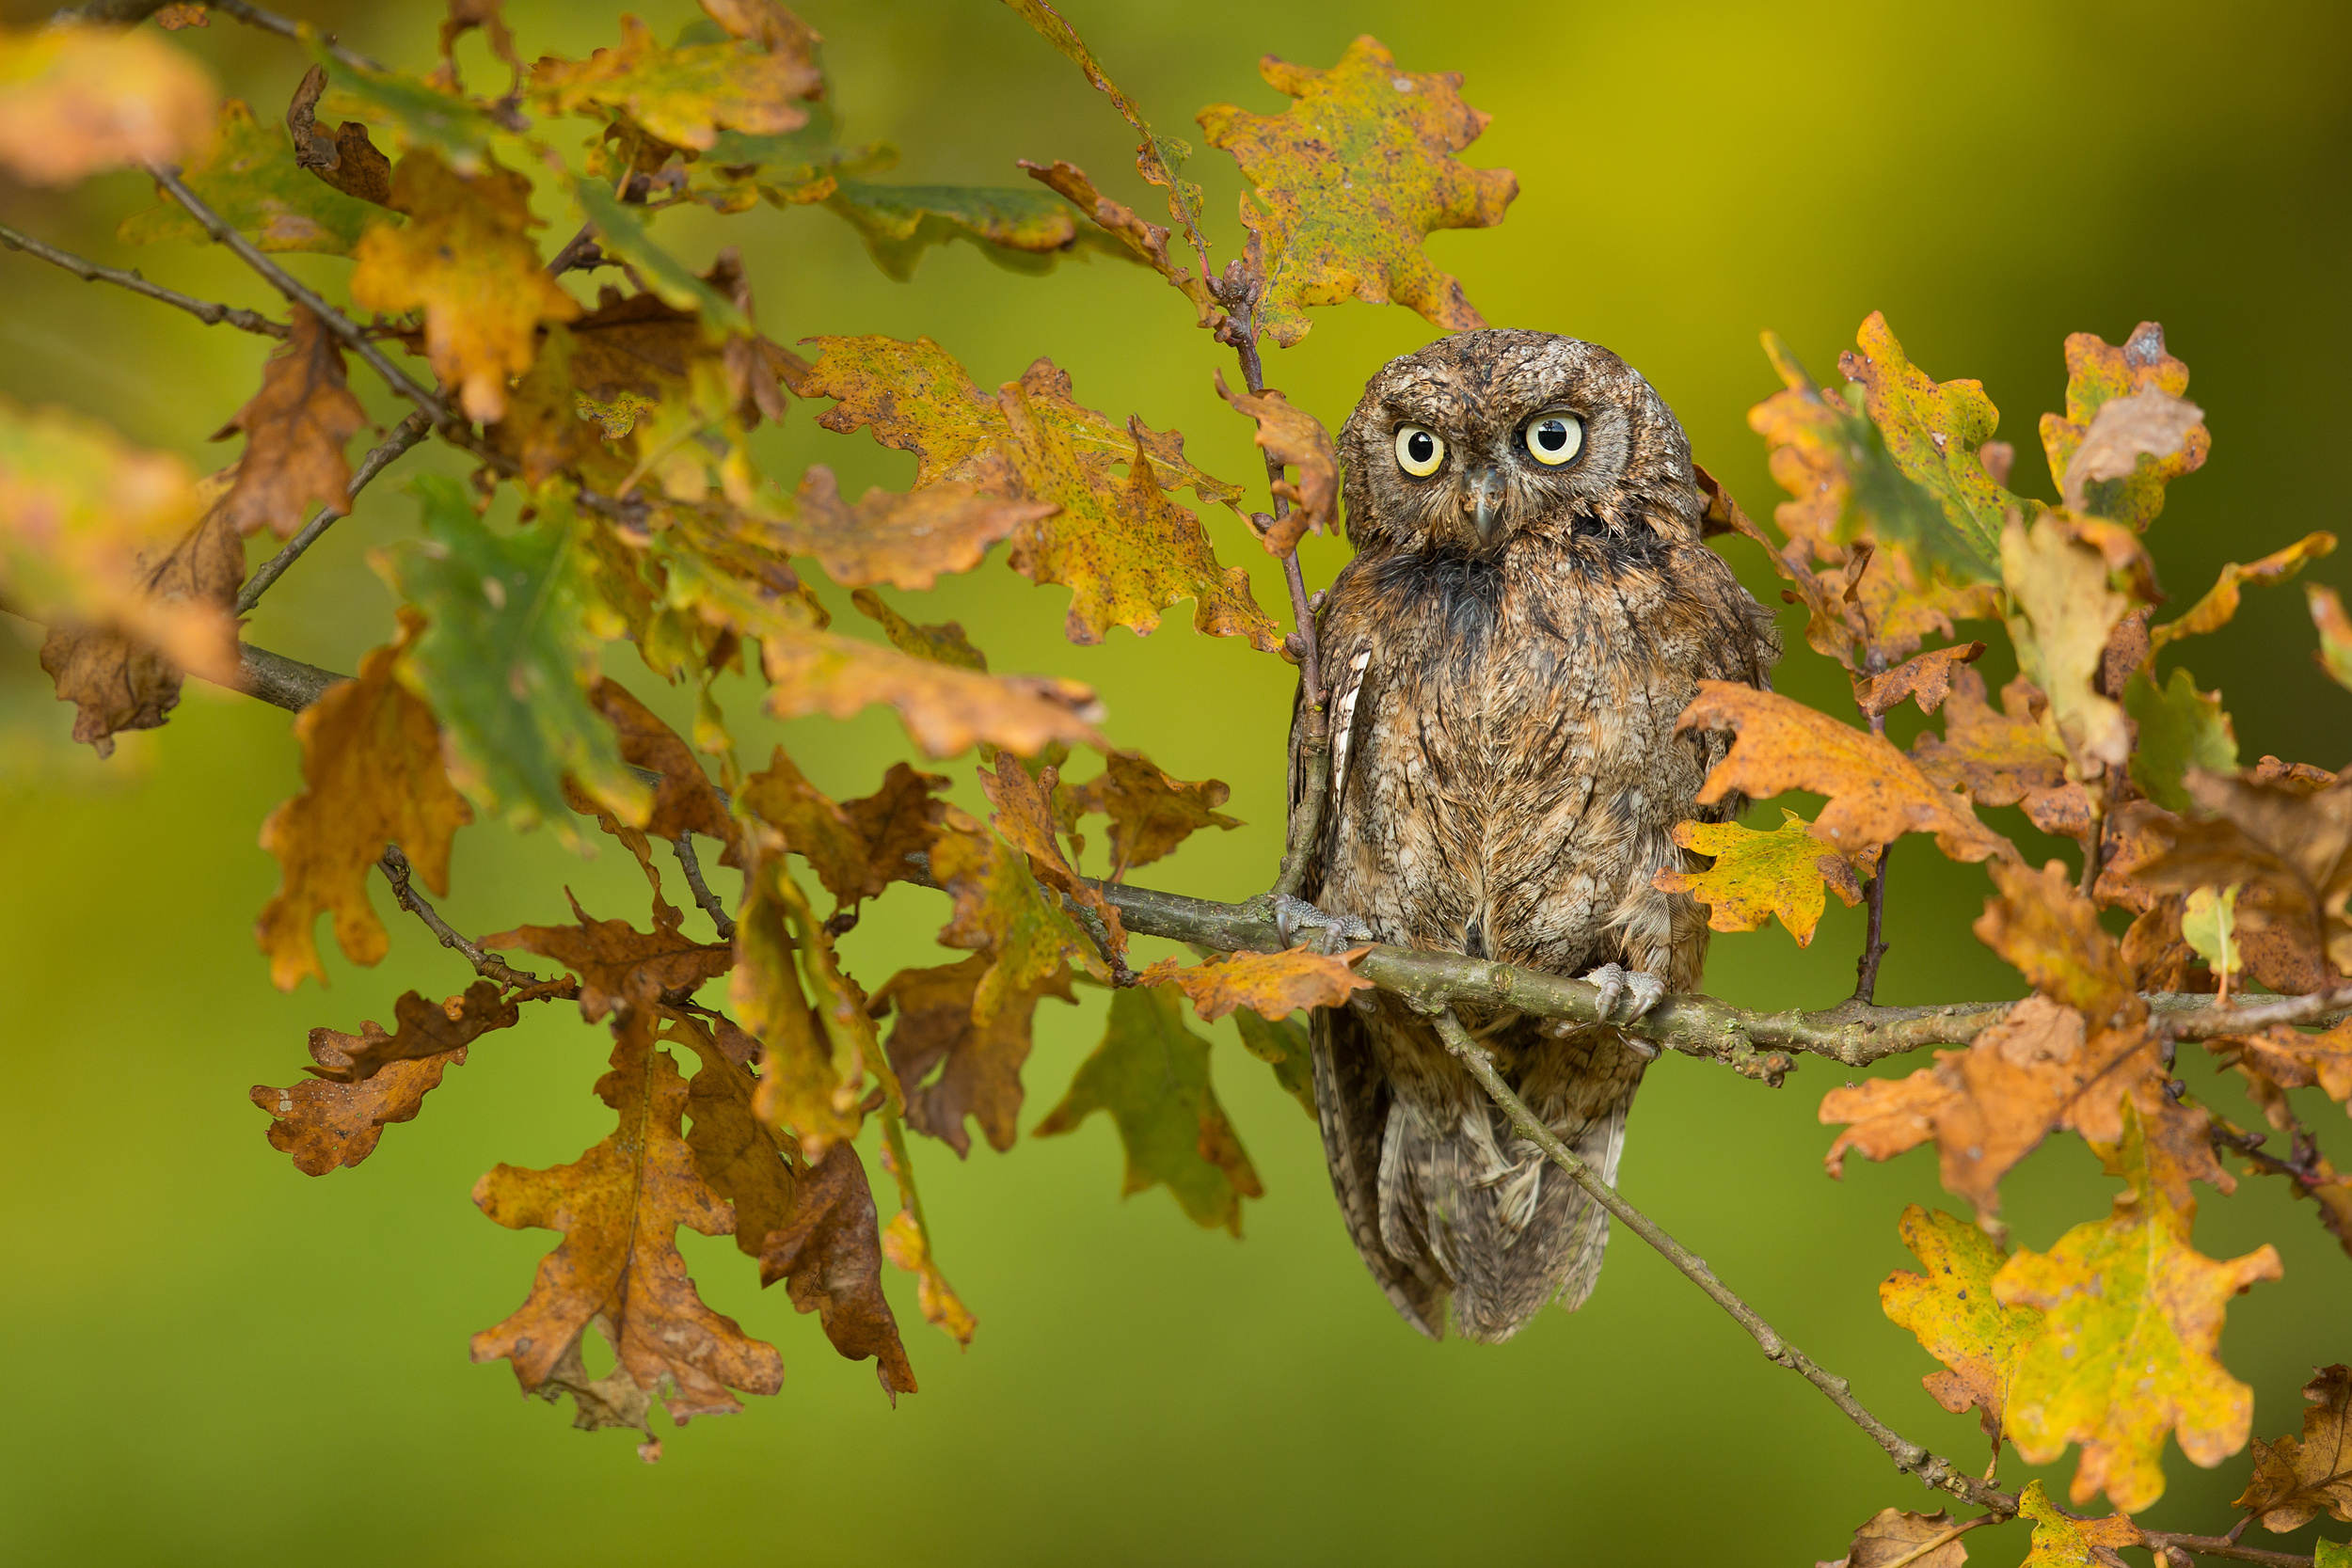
684,801
371,775
734,1151
294,430
2066,612
2134,1312
1758,875
2295,1478
1025,817
1926,679
1151,812
1875,794
1152,1074
942,644
1997,759
899,820
820,832
463,17
1892,1535
1351,178
1295,439
325,1124
829,1256
2098,373
1272,984
2050,933
1147,240
253,183
977,1062
2292,849
1001,909
1951,1309
619,966
619,1207
426,1029
348,161
906,540
466,258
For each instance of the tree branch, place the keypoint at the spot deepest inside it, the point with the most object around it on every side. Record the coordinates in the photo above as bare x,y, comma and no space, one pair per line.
1934,1470
285,283
488,965
405,435
2221,1547
301,32
210,312
710,902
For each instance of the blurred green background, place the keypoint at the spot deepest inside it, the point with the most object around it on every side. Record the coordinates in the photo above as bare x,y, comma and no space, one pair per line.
215,1359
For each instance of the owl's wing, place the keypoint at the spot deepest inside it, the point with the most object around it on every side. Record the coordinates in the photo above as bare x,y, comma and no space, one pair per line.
1353,1098
1344,662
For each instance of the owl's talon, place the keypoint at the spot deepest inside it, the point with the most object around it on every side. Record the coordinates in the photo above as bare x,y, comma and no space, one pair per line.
1618,984
1293,915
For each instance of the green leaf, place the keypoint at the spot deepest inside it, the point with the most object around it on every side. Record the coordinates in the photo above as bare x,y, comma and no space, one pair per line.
2208,925
1020,230
513,645
792,170
2179,728
624,236
253,183
2331,1554
1152,1074
2335,632
2062,1541
1282,1045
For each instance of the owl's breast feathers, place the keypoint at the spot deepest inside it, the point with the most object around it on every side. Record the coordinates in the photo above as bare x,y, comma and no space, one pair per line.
1505,770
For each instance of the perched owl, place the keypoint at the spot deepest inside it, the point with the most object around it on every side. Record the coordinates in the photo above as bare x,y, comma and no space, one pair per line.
1528,613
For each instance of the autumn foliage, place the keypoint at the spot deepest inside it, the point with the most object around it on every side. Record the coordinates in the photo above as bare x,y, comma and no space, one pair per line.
615,498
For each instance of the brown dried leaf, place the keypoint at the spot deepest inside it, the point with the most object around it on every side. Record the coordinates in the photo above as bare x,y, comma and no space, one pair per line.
821,833
829,1256
1875,794
426,1029
899,820
977,1062
619,1207
619,966
2291,845
372,774
2297,1478
1927,680
1272,984
294,430
2050,933
1151,812
1996,759
325,1124
1295,439
1146,239
906,540
684,801
738,1154
1024,815
348,161
463,17
1891,1536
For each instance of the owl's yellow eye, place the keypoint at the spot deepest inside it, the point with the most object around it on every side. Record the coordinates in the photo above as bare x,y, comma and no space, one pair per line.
1555,439
1419,451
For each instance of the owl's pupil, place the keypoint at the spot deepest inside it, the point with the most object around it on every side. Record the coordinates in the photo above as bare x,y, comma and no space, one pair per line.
1420,447
1551,435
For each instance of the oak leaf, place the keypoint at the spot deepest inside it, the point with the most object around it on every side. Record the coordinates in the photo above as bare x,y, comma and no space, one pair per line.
1145,240
1759,875
623,236
421,116
2179,728
1892,1535
735,1152
977,1062
118,681
466,16
2066,610
1292,438
2151,424
2098,373
2220,604
371,775
900,819
1152,1074
2050,933
941,645
348,161
1149,811
2290,842
684,799
77,100
1272,984
2295,1478
294,432
426,1029
508,659
1351,178
326,1123
1995,759
1018,229
906,1241
1001,909
854,857
466,258
2062,1541
252,182
1926,679
2133,1317
1951,1309
1024,817
619,1207
829,1256
945,710
1282,1045
688,94
907,541
620,968
1875,794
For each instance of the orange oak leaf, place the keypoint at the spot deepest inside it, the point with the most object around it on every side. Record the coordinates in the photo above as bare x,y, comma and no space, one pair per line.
1996,759
2295,1478
820,832
2289,840
1351,178
945,710
1025,817
426,1029
953,1064
619,966
466,258
118,681
325,1124
1951,1308
1272,984
294,430
688,94
348,161
829,1256
1151,812
736,1154
372,774
1926,679
75,100
619,1207
2050,933
899,820
1295,439
1875,794
907,541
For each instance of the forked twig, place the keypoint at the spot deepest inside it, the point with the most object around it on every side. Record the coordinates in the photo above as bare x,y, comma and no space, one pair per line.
488,965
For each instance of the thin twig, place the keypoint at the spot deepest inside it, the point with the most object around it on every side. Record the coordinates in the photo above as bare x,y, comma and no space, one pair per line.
2221,1547
2211,1022
1934,1470
285,283
210,313
713,905
488,965
1874,943
301,32
405,435
578,252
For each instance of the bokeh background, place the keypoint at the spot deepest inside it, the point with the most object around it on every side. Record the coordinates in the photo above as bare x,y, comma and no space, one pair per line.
213,1359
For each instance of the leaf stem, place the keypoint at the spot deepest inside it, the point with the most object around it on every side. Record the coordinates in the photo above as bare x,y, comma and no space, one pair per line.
1938,1543
1874,944
1934,1470
405,435
210,312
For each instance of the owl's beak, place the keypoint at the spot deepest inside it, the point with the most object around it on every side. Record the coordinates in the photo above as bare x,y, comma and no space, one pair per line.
1485,499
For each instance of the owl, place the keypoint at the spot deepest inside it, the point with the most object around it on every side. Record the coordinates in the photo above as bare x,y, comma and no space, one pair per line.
1529,611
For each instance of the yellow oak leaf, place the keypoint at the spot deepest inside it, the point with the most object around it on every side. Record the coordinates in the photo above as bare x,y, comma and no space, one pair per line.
1951,1309
2098,373
1759,875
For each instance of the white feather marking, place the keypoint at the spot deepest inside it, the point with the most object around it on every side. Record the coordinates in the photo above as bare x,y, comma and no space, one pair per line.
1344,725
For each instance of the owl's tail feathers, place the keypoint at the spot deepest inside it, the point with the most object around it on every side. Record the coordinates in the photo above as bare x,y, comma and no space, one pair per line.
1353,1101
1522,1234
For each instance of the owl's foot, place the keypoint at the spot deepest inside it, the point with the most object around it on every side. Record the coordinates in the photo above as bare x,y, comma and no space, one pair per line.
1617,984
1334,931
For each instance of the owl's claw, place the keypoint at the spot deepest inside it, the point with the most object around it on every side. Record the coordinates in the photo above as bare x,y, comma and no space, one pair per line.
1618,984
1292,915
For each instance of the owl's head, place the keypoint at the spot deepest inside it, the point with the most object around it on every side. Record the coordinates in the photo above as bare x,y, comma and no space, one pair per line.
1485,436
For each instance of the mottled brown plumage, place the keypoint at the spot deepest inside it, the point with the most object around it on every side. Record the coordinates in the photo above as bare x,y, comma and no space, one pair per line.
1507,654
